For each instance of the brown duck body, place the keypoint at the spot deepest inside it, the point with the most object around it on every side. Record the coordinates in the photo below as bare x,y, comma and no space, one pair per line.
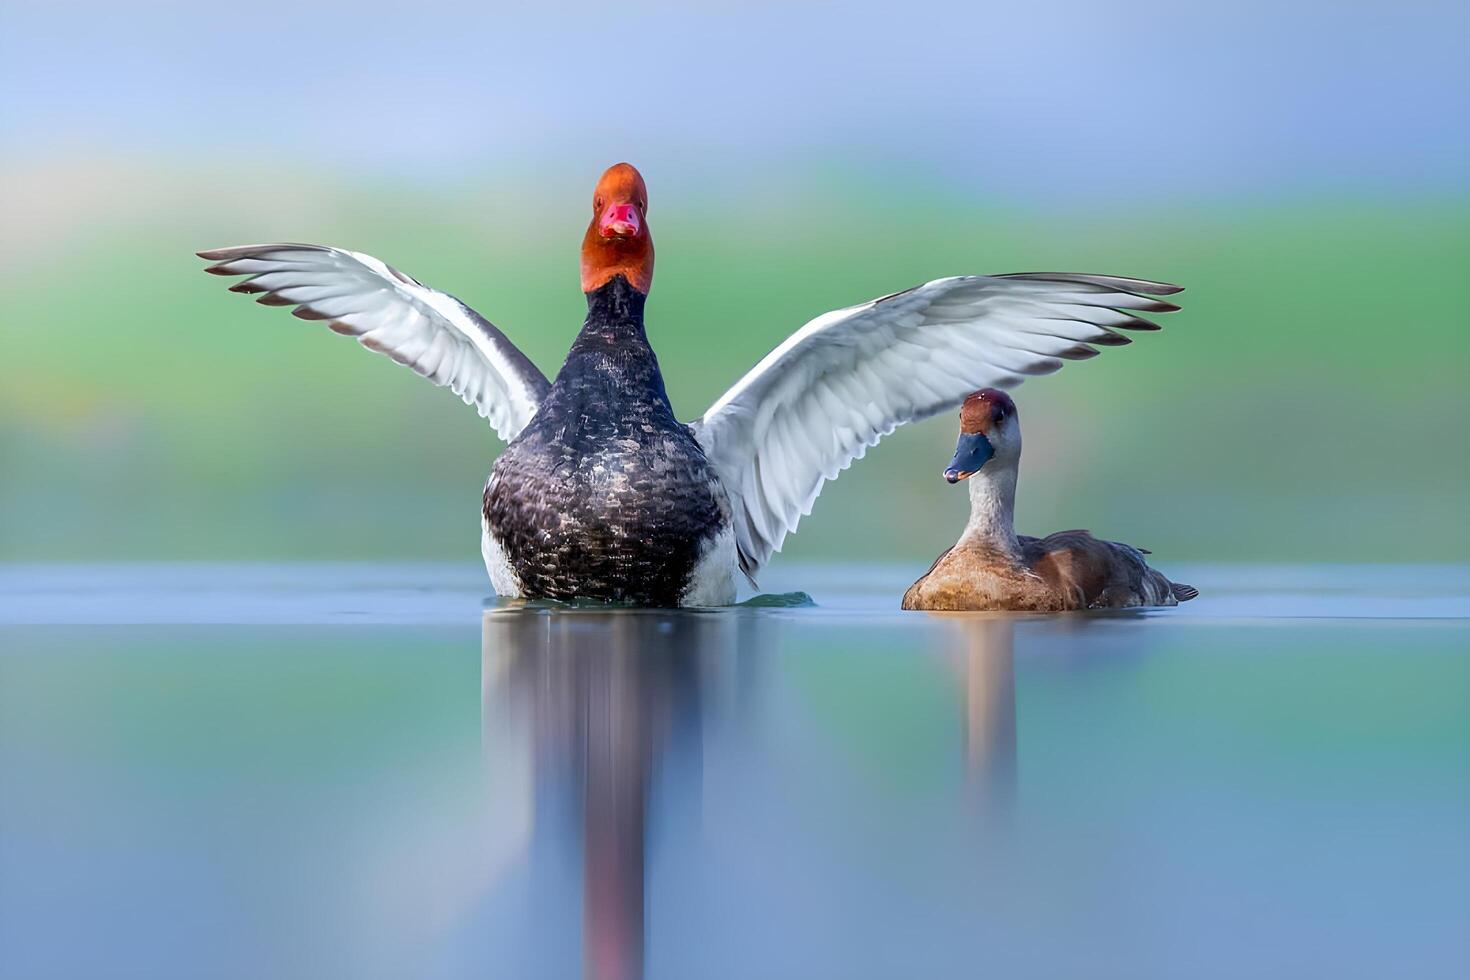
993,568
1060,572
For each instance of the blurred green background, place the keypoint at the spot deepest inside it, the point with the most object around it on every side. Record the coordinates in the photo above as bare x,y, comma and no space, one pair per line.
1307,404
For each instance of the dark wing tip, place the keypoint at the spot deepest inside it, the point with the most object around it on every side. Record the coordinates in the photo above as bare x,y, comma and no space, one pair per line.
253,251
1125,283
1045,365
1148,305
1110,339
1183,592
233,252
1138,322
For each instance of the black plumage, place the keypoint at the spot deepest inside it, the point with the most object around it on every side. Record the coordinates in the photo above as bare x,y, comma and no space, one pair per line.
605,495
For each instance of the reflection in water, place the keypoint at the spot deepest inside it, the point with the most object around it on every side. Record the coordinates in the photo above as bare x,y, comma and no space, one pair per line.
601,694
984,652
806,791
614,710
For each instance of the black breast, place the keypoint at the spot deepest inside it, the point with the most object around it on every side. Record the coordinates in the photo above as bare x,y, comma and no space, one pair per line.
605,495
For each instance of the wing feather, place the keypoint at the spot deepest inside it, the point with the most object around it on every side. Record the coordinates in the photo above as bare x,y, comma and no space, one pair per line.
430,332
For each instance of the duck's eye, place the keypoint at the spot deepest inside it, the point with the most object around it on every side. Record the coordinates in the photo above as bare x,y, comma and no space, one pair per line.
1000,414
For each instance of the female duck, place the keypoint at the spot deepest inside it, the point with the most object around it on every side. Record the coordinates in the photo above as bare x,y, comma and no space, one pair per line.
603,494
993,568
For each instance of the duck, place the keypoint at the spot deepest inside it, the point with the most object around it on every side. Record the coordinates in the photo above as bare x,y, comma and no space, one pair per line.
992,568
602,494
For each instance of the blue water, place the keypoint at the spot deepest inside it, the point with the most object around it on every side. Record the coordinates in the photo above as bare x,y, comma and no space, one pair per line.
375,771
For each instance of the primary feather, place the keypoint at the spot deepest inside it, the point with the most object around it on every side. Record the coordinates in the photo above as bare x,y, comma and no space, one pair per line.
392,313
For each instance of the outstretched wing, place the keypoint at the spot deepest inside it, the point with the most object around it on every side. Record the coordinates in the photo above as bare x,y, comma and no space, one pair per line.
850,377
431,332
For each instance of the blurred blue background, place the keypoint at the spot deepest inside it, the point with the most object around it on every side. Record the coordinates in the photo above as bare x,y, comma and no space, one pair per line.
1300,167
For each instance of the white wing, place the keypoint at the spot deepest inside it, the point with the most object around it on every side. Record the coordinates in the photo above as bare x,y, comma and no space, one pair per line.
850,377
431,332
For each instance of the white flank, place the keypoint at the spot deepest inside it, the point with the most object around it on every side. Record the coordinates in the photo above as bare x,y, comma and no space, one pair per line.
502,577
712,583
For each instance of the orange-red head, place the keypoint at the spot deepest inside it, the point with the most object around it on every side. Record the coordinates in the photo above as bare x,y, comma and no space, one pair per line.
617,240
987,417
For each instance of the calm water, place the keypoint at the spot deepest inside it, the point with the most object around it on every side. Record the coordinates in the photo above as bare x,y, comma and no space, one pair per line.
363,771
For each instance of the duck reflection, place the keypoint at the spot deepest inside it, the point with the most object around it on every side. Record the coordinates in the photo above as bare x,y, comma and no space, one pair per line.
611,699
609,717
983,653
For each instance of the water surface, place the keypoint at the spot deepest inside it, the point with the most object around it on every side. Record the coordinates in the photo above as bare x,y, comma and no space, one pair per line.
370,771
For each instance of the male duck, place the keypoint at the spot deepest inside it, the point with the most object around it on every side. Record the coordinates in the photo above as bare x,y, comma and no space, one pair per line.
602,492
991,567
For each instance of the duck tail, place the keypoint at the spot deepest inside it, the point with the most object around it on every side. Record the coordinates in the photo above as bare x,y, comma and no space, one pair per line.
1183,592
